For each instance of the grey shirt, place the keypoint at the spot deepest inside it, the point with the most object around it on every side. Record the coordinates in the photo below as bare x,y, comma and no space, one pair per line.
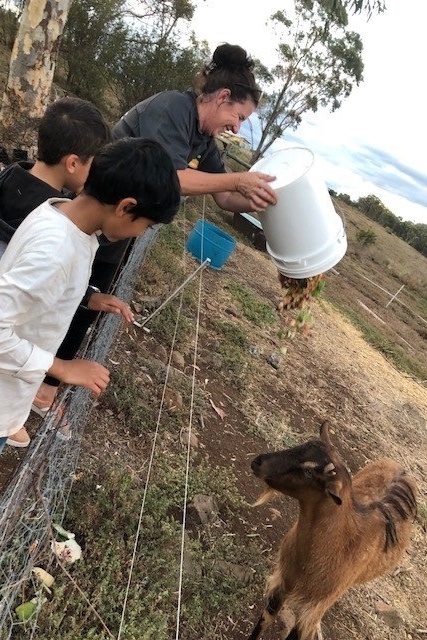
171,118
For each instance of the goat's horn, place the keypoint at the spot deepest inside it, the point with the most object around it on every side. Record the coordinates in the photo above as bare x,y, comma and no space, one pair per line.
266,496
324,433
330,467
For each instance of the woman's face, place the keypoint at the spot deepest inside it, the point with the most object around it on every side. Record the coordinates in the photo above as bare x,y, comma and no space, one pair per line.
226,114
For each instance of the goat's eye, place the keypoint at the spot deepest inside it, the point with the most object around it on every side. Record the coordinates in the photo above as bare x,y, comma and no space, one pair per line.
309,472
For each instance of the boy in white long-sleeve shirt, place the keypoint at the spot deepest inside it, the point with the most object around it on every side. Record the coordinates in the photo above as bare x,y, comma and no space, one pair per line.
45,270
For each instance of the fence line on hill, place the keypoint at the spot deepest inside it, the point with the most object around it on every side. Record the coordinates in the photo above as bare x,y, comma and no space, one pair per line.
38,492
393,297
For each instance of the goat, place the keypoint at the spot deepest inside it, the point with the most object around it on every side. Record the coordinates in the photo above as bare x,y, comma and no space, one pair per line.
348,530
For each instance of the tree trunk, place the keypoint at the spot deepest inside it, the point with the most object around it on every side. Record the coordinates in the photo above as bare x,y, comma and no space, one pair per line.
32,65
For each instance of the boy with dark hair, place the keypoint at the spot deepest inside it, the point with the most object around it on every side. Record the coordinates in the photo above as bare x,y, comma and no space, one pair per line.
45,269
69,134
71,126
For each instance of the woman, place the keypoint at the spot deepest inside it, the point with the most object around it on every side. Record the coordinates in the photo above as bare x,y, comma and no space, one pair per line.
225,94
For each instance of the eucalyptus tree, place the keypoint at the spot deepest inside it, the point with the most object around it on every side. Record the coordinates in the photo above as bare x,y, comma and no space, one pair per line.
363,6
413,233
31,69
150,66
319,61
95,33
164,52
114,52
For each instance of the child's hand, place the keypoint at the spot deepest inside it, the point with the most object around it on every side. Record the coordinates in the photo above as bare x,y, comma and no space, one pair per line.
83,373
110,304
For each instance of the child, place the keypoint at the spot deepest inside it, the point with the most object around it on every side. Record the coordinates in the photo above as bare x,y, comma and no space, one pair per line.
70,133
225,93
45,269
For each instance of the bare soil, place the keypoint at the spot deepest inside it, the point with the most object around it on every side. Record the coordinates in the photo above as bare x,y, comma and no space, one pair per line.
375,411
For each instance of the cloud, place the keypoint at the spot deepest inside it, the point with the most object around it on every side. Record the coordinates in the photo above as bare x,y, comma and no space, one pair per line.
387,172
357,168
373,143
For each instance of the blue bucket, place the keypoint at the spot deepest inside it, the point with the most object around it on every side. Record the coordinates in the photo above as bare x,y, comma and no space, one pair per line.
207,241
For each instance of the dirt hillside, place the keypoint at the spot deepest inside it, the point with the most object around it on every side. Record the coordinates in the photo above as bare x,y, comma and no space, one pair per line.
332,373
278,397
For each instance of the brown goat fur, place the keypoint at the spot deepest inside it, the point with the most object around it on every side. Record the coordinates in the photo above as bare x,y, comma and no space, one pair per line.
349,530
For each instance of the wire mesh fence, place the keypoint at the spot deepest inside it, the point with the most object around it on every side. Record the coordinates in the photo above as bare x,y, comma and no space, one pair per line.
38,493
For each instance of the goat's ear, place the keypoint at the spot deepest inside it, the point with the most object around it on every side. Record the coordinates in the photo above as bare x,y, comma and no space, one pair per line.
334,490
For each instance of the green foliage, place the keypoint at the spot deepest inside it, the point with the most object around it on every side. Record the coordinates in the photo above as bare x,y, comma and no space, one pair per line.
105,52
111,502
164,268
336,7
8,27
204,479
94,35
344,197
233,346
367,237
124,395
365,6
233,334
253,309
150,66
319,60
170,240
162,326
412,233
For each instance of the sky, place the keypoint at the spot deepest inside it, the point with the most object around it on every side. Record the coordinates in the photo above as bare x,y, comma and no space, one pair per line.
376,143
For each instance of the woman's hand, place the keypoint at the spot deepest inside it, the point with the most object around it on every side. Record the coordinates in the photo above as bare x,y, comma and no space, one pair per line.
254,186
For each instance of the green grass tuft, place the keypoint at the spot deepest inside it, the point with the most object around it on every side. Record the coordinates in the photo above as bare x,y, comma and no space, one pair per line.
260,313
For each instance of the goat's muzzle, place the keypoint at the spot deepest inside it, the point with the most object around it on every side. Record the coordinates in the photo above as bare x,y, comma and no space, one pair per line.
256,466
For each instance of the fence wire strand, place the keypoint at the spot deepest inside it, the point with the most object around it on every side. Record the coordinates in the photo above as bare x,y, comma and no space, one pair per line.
38,492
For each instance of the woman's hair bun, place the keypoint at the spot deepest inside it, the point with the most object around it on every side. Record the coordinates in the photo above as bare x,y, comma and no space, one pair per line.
230,68
231,57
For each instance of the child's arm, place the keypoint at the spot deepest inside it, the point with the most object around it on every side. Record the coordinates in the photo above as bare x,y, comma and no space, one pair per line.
111,304
19,357
84,373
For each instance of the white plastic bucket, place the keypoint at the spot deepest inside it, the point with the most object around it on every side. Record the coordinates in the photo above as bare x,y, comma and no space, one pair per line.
305,236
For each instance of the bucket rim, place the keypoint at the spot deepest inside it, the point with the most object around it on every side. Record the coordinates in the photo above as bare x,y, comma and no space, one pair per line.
338,239
280,151
299,269
205,223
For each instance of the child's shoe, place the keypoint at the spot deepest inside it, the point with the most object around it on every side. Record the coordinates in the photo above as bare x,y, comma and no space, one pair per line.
44,399
19,439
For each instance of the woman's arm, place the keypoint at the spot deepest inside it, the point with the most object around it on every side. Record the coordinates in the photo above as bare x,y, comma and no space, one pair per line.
240,191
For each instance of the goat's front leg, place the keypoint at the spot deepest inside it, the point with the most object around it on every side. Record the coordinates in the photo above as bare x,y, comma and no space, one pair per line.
274,604
294,633
303,632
